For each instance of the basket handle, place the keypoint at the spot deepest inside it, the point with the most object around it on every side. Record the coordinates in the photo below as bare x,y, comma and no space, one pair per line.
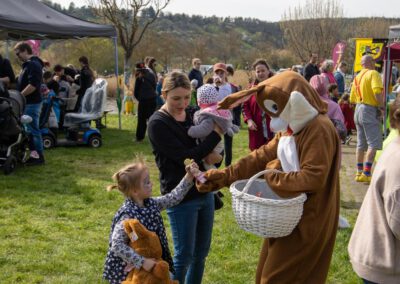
256,176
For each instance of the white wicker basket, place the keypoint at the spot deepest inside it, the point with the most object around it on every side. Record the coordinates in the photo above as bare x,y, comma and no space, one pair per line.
260,211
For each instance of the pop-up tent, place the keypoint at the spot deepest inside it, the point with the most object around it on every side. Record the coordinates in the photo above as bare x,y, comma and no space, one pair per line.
31,19
394,32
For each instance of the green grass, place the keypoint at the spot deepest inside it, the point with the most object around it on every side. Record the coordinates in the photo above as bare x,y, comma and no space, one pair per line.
55,219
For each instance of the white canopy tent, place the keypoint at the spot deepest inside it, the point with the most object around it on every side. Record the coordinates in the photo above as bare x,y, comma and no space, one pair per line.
394,32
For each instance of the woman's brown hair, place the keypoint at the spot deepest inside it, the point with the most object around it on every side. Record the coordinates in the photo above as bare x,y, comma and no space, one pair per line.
260,61
175,80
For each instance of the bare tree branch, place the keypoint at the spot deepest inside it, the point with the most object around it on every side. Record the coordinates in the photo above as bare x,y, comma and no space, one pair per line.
314,27
129,18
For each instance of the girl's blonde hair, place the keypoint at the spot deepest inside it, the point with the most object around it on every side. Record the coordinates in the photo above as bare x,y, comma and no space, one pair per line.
175,80
128,177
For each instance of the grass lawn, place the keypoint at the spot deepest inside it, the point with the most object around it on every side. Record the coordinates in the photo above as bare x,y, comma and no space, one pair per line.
55,219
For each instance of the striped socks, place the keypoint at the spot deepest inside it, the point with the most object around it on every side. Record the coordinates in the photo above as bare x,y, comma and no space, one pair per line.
367,169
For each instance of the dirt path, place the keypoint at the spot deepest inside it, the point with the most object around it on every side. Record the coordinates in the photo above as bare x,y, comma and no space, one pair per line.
111,105
352,192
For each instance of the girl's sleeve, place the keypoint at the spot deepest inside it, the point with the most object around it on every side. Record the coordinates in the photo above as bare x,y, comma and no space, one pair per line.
120,245
175,196
201,130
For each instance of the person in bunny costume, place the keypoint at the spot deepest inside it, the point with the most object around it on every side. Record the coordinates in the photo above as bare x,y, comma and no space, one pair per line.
306,151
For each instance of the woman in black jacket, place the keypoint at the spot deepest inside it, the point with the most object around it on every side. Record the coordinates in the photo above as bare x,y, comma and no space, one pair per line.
86,79
145,94
191,220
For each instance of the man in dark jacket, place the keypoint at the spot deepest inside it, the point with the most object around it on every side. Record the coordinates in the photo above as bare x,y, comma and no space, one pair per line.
29,81
145,94
195,73
311,68
86,78
6,72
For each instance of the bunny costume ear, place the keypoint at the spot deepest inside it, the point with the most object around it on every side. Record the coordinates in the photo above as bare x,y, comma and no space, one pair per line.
235,99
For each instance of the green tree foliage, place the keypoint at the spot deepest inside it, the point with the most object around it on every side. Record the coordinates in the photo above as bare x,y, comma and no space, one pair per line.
100,52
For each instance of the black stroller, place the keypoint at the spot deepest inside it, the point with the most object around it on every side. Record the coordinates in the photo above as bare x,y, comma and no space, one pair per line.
14,145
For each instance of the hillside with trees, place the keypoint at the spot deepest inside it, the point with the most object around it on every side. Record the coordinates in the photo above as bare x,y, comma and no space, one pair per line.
176,38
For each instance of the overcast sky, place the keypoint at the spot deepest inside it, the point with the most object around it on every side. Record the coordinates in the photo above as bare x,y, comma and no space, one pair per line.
268,10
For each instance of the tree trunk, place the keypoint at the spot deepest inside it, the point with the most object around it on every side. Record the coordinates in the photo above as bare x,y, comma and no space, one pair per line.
128,91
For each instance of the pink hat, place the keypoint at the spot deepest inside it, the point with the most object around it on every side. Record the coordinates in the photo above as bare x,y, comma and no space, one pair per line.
219,66
318,82
207,94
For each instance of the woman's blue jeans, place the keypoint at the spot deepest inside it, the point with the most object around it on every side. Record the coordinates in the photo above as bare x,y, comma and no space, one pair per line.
33,110
191,226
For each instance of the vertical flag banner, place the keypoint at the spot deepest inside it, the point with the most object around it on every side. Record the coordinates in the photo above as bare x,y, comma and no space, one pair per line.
338,52
370,46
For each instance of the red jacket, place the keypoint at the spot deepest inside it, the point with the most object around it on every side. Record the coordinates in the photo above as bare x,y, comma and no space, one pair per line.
348,114
251,110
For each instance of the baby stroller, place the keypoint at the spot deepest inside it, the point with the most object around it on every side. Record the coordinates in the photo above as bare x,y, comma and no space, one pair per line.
77,130
14,146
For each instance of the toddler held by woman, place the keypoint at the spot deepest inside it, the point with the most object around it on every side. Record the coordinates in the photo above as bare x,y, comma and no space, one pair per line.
208,116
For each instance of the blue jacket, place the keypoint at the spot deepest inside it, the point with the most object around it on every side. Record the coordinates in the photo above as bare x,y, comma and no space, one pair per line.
340,82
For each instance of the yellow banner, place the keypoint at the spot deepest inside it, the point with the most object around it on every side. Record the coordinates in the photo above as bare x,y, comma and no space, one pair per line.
366,46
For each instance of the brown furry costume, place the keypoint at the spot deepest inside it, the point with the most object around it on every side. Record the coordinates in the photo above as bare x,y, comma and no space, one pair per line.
303,256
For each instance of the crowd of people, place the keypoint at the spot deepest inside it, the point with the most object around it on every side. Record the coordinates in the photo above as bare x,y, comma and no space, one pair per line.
36,82
180,112
181,128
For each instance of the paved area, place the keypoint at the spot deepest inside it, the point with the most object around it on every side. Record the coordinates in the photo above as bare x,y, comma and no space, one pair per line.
112,105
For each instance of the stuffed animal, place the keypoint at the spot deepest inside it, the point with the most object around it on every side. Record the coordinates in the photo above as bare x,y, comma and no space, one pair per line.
147,244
